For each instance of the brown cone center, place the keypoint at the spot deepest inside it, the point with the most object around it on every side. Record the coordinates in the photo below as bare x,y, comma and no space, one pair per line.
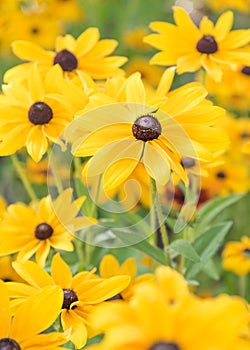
40,113
207,44
146,128
66,60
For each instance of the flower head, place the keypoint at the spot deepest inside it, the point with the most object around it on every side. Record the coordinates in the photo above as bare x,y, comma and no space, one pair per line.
81,293
37,228
29,116
86,53
137,130
35,315
210,46
236,256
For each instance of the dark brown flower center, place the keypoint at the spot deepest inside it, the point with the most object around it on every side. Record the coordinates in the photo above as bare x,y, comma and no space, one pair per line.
43,231
9,344
164,346
187,162
207,44
40,113
146,128
66,60
221,175
69,298
246,70
244,135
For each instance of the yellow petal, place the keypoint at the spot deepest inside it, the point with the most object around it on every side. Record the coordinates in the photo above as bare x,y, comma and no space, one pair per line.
86,41
43,307
102,48
129,267
36,143
78,334
188,63
18,290
48,341
211,67
61,272
156,166
206,26
4,310
109,266
14,140
31,52
235,39
223,25
33,274
165,82
28,250
135,90
35,84
103,289
42,253
183,20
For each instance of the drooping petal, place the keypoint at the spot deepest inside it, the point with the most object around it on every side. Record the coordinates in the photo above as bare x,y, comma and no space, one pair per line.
156,166
36,143
61,272
78,333
28,250
42,253
43,307
211,67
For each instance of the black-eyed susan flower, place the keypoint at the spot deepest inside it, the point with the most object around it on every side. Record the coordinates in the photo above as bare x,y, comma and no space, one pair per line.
234,89
210,46
110,267
149,322
124,134
29,116
82,293
35,229
236,256
24,330
86,53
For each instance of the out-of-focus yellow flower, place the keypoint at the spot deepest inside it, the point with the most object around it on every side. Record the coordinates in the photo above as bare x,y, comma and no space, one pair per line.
37,228
22,332
69,10
110,267
149,74
133,39
3,206
87,53
218,5
236,256
234,90
210,46
151,322
81,293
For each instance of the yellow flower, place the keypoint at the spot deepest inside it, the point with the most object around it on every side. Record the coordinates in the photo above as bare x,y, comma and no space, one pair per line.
3,206
218,5
82,293
29,116
37,228
7,273
210,46
236,256
149,74
124,134
149,322
69,10
110,267
234,89
22,332
86,53
133,39
228,176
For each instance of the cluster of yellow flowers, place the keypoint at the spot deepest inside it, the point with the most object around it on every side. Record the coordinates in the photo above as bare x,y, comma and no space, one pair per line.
122,129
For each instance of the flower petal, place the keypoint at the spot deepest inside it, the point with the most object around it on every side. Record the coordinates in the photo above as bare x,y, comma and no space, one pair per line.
33,274
223,25
36,143
61,272
35,84
109,266
156,166
42,252
78,333
31,52
43,307
4,310
86,41
211,67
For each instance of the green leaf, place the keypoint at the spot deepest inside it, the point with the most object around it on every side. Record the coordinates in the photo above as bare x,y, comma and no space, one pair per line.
211,270
212,209
206,246
154,252
186,249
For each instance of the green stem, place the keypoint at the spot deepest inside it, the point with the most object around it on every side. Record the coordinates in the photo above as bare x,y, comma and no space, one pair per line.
159,219
23,176
54,169
242,285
